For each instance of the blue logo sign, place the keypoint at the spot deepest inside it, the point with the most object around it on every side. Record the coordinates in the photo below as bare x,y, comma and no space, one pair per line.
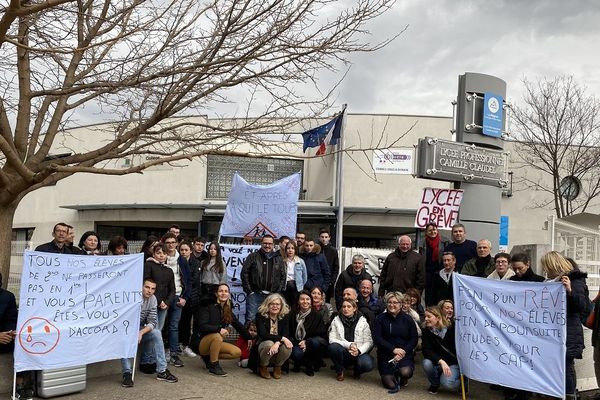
492,115
503,230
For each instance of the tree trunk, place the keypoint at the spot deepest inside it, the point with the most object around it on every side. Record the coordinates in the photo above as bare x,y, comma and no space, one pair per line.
7,214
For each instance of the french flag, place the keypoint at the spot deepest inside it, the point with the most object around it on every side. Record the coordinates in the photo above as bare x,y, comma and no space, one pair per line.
324,135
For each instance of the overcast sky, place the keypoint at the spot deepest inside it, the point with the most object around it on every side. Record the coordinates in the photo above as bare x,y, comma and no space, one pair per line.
513,40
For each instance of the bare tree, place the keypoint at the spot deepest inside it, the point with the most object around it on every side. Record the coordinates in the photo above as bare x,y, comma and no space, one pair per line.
148,63
557,127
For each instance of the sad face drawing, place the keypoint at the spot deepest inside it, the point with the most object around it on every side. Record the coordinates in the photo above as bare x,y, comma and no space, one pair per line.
38,336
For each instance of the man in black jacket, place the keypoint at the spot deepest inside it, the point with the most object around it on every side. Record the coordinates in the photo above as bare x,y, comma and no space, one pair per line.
263,273
351,277
59,242
331,255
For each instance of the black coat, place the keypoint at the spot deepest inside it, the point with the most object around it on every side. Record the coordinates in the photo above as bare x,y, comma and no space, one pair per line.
577,303
441,290
348,279
528,276
8,316
263,328
313,324
435,348
164,278
210,320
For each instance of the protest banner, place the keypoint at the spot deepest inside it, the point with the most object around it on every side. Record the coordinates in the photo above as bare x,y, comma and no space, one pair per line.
256,211
77,309
233,257
511,333
439,206
374,259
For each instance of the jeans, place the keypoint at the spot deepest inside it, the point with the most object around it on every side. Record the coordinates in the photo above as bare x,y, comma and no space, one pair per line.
341,358
148,355
312,356
436,376
571,377
174,317
253,301
151,342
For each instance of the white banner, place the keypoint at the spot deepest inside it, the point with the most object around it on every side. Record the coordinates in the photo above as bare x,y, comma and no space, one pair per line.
439,206
255,211
234,256
511,333
77,309
393,161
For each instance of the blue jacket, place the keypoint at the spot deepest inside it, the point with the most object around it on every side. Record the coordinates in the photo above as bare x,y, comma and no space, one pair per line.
300,274
317,269
186,278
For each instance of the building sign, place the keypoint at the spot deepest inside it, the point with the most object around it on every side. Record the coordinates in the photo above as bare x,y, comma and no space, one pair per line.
439,206
492,115
460,162
393,161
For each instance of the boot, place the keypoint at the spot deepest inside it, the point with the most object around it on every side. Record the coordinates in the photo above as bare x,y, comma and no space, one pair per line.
264,372
277,372
206,360
215,369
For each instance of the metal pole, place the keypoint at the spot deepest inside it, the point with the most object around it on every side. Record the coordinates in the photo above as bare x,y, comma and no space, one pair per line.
339,192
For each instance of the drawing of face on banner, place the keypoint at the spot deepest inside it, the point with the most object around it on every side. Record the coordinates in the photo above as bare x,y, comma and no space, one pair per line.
38,336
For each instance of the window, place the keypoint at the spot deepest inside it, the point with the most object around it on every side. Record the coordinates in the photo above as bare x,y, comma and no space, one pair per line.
259,171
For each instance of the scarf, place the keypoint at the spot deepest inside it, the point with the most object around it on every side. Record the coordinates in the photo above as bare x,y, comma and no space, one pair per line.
507,275
439,332
444,277
434,245
300,330
349,324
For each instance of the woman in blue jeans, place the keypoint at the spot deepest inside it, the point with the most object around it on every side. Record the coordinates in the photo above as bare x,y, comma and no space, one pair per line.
350,341
439,351
308,334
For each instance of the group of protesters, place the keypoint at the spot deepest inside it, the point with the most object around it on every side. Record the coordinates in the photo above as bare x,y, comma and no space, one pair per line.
290,321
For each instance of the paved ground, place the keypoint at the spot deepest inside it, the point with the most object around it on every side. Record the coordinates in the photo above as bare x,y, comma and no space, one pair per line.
196,383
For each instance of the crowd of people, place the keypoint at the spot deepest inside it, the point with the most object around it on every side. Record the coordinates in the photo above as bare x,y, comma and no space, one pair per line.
290,321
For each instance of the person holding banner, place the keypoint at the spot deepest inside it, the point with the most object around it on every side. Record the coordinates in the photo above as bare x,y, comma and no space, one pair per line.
149,337
432,249
350,341
210,331
90,243
439,351
503,272
396,337
558,269
523,273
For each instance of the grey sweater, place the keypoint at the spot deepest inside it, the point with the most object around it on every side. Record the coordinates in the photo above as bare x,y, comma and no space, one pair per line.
148,316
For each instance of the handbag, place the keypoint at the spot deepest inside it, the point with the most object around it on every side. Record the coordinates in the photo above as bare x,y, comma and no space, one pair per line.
589,318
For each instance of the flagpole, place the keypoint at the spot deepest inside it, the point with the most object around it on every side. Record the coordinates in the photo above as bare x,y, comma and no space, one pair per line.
339,190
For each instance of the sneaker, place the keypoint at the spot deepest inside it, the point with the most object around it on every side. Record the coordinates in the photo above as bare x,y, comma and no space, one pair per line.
148,368
166,376
215,369
23,393
176,361
433,389
189,352
127,381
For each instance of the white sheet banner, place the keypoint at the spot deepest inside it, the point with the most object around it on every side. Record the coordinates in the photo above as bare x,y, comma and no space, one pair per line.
440,206
374,259
512,333
77,309
255,211
234,256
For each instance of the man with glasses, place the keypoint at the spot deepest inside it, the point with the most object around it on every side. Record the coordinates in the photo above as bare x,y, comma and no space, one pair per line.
264,272
181,272
483,264
503,271
59,242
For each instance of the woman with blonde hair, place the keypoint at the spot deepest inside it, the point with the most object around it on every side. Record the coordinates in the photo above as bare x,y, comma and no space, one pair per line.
439,351
272,326
559,269
396,337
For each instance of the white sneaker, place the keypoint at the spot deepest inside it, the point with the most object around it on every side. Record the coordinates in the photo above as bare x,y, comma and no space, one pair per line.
189,352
